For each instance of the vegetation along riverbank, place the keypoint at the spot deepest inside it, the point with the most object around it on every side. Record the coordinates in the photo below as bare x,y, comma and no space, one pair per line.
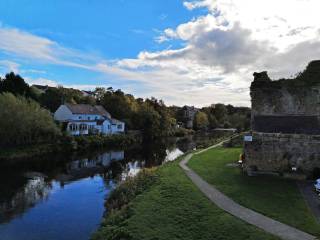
165,204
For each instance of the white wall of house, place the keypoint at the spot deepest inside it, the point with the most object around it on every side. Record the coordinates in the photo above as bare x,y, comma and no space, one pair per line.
117,128
106,127
63,113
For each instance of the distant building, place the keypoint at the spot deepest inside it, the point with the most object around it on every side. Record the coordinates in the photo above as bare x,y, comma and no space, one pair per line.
87,93
84,119
285,122
41,88
188,116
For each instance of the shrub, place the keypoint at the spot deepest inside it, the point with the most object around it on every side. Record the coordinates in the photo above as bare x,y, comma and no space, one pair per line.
24,122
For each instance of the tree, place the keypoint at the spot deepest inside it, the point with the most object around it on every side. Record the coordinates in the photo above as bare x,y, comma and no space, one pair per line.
23,122
52,99
201,121
15,84
213,122
99,93
220,112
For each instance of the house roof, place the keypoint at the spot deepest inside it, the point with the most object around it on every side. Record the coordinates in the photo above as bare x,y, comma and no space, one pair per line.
115,121
88,109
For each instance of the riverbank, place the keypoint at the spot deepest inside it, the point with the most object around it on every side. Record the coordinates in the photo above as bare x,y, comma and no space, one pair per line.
70,144
165,204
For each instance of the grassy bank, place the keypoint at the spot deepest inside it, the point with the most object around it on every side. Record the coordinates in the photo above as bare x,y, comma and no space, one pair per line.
273,196
69,144
165,204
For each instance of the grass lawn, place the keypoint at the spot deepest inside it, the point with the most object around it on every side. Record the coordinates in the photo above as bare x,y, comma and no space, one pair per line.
273,196
174,208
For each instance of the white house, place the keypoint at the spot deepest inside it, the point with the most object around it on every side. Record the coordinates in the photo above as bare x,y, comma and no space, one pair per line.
83,119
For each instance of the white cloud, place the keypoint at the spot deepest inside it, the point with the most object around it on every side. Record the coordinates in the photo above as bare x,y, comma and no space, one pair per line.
9,66
220,50
41,81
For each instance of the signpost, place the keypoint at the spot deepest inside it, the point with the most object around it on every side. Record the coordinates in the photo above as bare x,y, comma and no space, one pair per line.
248,138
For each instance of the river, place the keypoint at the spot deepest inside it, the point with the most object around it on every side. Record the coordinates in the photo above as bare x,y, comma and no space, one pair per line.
62,196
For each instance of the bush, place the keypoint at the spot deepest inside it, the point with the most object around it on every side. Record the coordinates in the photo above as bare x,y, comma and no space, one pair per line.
24,122
98,141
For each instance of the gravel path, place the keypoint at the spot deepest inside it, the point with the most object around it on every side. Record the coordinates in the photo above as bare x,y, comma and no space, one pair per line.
227,204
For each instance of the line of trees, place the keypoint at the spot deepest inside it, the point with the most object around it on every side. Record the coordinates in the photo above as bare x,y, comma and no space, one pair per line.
151,116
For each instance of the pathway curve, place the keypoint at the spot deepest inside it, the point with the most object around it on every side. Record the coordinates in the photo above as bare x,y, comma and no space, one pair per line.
227,204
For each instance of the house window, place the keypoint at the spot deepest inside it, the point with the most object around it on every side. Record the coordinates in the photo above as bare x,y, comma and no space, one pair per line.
108,126
73,127
96,118
80,117
119,126
88,118
83,127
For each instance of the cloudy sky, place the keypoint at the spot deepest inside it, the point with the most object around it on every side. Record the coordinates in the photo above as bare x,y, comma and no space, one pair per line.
184,52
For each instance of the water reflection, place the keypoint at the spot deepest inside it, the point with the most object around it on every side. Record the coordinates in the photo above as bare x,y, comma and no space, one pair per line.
39,195
26,197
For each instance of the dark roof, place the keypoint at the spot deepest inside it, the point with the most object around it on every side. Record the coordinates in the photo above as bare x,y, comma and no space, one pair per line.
88,109
41,87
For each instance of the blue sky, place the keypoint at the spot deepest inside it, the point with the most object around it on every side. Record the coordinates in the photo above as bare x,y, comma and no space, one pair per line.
107,29
185,52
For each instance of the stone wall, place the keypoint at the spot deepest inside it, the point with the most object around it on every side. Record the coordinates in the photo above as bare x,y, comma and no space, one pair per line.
285,122
281,152
298,96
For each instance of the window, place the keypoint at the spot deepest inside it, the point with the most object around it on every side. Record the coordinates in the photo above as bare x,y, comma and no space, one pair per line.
83,127
80,117
88,118
73,127
119,126
108,126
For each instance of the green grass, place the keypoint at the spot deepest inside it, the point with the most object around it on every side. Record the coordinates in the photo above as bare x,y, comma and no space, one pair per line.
173,208
273,196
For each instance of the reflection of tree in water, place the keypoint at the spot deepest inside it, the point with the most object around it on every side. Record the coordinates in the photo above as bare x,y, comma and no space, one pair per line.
154,153
33,191
25,183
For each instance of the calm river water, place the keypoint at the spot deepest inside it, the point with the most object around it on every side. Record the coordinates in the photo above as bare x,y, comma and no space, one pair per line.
62,197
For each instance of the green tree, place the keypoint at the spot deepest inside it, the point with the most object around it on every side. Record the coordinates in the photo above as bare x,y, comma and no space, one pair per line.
15,84
23,122
220,112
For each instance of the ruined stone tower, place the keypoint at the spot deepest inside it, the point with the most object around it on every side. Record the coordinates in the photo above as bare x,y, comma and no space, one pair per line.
285,122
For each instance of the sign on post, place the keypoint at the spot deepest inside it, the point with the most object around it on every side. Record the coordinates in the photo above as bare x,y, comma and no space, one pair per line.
248,138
